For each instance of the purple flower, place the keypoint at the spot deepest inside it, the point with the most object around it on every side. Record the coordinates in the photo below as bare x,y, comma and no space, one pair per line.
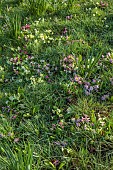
96,87
46,77
87,92
111,61
85,118
86,86
87,83
8,110
78,120
78,124
46,68
90,88
94,81
104,97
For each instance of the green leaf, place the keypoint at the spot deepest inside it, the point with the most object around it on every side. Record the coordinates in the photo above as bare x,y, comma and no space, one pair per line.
11,98
52,165
80,58
61,165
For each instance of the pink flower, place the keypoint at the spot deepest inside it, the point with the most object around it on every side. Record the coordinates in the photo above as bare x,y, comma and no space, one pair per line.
15,60
70,56
103,4
65,30
78,79
65,59
16,140
26,27
68,17
14,117
61,125
79,82
46,77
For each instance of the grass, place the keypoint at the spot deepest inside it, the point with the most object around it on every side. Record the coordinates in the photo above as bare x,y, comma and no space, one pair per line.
56,85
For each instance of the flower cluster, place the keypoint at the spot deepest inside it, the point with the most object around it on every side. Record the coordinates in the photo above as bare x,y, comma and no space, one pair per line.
105,97
16,60
108,57
90,88
78,79
81,121
25,27
103,4
68,63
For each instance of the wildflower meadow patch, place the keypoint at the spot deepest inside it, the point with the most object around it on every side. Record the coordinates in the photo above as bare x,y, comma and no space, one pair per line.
56,85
